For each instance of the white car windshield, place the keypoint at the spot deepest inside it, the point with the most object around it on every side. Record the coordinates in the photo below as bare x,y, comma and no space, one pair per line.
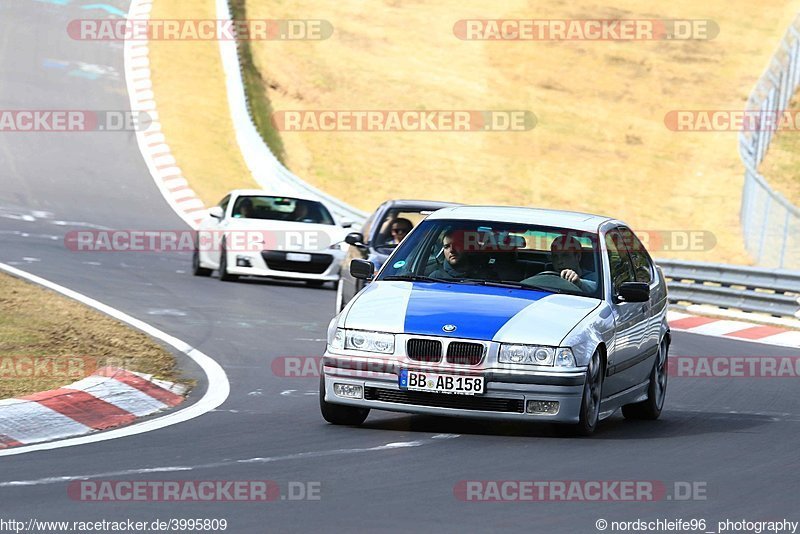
558,260
281,209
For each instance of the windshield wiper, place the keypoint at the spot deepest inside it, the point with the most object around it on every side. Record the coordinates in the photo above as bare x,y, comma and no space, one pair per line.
512,284
412,278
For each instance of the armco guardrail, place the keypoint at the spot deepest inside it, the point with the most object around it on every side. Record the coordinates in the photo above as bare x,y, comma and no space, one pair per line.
750,289
264,166
771,224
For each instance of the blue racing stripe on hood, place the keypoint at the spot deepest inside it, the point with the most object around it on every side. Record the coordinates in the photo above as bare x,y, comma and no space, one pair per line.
478,312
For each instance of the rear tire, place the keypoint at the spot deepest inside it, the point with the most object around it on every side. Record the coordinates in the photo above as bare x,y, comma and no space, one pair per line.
650,409
197,270
338,414
224,275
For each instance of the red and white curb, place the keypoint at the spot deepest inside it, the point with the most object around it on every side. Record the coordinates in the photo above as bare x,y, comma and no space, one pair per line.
107,399
152,143
738,330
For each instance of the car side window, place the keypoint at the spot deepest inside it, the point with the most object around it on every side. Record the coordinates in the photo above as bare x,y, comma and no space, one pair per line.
642,264
619,260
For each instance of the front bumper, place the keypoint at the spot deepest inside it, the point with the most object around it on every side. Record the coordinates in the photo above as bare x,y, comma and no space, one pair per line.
325,265
506,393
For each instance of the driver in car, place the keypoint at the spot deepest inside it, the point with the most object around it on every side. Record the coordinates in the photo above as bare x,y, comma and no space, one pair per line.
565,253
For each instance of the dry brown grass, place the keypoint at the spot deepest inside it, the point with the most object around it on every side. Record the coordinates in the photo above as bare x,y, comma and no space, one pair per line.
189,85
38,322
600,144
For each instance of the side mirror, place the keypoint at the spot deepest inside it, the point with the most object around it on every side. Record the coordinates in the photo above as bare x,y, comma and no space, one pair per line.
634,292
362,269
354,238
216,212
346,223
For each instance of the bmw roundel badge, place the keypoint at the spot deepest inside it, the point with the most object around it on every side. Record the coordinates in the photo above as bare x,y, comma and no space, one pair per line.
449,328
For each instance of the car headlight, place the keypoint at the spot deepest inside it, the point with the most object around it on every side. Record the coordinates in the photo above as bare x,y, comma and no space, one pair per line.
361,340
338,339
537,355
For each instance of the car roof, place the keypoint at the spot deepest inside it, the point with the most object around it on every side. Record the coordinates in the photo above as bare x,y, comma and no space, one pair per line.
419,204
585,222
272,193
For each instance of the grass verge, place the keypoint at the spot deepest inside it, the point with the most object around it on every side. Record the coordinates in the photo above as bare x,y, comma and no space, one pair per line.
189,87
48,341
256,89
781,166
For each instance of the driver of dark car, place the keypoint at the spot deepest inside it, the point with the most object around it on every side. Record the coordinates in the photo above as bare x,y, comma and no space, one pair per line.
565,254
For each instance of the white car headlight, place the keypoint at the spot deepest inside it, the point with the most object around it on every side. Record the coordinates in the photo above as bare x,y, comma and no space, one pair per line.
338,339
361,340
536,355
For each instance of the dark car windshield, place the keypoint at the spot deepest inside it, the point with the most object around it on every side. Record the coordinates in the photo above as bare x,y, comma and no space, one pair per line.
281,209
499,254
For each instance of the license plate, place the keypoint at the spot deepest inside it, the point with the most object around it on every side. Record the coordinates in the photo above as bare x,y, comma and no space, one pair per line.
441,383
295,256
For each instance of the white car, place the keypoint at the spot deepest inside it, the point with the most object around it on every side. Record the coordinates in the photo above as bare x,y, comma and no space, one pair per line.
260,233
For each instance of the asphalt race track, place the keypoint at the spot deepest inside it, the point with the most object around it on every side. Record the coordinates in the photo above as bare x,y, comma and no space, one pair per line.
736,437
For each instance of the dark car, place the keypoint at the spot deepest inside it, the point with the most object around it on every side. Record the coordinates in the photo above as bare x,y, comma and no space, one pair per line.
374,242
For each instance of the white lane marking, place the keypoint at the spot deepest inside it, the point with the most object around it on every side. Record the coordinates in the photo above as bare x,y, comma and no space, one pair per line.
218,386
269,459
167,312
56,480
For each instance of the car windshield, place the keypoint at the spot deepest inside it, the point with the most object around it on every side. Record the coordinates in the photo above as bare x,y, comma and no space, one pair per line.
281,209
558,260
396,224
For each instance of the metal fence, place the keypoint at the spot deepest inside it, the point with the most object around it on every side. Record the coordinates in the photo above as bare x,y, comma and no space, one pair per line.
771,224
751,289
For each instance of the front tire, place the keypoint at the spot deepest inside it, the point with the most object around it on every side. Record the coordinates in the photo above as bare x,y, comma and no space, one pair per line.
224,275
650,409
592,396
338,414
197,269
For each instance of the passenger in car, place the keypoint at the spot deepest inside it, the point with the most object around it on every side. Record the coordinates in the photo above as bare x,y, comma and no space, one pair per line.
457,264
565,254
